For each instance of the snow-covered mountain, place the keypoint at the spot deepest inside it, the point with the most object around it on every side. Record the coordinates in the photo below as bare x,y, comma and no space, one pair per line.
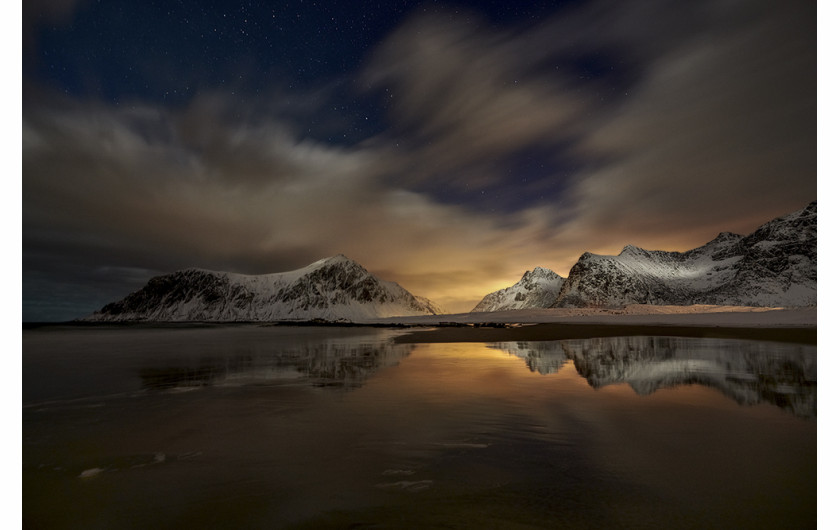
537,289
774,266
334,288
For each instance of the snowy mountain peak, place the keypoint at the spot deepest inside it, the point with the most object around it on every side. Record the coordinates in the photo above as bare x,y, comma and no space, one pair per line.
726,237
335,288
538,288
774,266
539,272
338,258
632,249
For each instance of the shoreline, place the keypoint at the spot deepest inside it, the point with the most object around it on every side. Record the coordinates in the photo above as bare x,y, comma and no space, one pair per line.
565,331
798,325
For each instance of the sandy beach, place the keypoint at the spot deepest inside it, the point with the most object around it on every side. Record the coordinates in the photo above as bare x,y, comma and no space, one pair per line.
779,324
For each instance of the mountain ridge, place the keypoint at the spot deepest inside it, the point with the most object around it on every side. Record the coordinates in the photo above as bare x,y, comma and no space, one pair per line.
334,288
776,265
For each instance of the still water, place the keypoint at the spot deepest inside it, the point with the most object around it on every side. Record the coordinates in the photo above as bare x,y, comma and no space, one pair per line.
267,427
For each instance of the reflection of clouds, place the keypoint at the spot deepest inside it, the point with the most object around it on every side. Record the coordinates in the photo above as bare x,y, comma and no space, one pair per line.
749,372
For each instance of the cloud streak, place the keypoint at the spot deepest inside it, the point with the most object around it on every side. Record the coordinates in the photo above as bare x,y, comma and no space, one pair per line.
161,190
721,127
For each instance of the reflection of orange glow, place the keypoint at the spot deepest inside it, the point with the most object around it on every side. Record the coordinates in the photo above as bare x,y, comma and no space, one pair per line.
453,373
470,370
470,392
694,395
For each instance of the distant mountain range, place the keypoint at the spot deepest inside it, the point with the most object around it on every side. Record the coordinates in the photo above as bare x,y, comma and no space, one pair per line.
335,288
774,266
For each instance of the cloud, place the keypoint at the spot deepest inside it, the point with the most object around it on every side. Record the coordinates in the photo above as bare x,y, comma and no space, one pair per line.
464,96
708,124
158,189
721,129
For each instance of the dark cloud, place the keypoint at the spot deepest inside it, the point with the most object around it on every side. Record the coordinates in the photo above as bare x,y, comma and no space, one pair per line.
710,119
37,13
721,130
465,97
158,189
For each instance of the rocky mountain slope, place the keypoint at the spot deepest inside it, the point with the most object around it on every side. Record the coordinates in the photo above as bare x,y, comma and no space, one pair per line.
537,289
335,288
774,266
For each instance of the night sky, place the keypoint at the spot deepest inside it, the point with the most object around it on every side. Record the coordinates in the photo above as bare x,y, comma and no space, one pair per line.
447,146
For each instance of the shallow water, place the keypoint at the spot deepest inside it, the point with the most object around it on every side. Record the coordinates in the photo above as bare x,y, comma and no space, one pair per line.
266,427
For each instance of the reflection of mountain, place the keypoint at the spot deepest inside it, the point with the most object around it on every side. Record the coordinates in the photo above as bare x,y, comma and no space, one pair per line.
323,364
749,372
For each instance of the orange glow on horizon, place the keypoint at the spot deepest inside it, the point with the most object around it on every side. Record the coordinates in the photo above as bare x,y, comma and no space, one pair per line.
460,290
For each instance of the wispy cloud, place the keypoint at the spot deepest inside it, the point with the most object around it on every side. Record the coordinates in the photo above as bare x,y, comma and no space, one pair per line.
708,125
159,189
720,130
